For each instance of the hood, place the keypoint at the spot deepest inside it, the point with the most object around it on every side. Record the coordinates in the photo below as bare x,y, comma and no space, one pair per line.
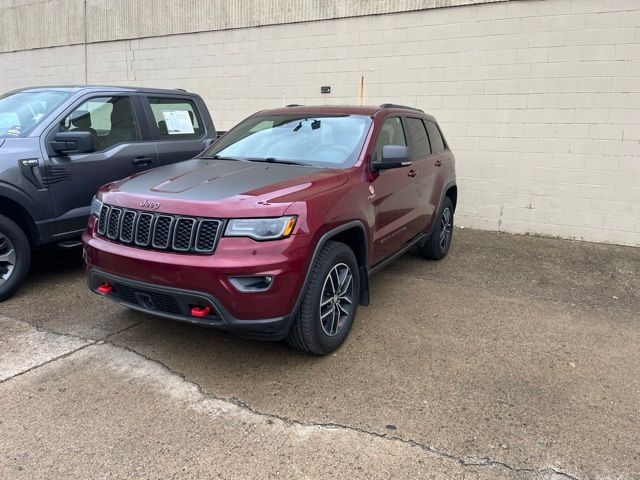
224,187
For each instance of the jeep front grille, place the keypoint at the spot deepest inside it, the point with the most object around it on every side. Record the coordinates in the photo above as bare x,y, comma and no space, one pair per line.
159,231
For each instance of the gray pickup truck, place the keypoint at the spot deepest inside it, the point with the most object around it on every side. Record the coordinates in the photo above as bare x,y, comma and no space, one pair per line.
59,144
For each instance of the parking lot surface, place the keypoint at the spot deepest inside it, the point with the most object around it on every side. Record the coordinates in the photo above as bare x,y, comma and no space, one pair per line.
515,357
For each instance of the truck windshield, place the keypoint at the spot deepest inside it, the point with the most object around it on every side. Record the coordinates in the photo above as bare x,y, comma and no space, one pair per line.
21,111
333,141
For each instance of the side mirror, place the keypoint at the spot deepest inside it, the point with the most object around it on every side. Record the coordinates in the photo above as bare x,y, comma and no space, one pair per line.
393,156
68,143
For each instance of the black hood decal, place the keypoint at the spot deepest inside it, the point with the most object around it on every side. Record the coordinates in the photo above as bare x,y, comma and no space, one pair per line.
211,180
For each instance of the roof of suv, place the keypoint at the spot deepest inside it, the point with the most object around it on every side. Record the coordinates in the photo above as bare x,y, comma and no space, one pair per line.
101,88
368,110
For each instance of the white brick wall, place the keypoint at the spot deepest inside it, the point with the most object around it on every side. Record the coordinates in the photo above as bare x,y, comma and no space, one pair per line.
540,100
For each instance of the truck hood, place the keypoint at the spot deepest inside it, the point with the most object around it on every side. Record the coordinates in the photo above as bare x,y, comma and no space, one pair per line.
224,187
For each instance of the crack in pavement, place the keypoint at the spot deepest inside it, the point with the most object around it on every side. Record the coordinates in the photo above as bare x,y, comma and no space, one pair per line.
89,342
47,362
462,461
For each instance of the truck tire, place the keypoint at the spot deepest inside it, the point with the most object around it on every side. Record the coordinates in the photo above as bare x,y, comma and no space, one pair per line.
437,246
15,257
329,301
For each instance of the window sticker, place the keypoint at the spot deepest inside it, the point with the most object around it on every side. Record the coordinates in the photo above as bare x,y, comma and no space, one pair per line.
178,122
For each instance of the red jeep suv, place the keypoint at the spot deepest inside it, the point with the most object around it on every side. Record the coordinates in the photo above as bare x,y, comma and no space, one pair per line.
274,230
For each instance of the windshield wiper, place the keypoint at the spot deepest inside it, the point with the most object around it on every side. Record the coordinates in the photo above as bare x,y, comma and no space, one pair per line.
218,157
276,160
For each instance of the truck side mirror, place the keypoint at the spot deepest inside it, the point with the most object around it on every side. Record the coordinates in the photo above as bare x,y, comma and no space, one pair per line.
68,143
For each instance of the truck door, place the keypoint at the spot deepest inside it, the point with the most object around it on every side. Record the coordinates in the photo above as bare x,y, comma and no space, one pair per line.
121,150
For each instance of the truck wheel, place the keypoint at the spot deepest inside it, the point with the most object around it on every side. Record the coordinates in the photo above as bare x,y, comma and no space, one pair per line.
329,301
15,257
437,246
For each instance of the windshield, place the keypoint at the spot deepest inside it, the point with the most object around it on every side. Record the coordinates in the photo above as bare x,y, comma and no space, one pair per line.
21,111
333,141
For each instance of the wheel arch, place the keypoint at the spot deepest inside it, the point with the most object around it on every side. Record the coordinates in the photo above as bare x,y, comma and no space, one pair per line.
15,211
354,235
452,192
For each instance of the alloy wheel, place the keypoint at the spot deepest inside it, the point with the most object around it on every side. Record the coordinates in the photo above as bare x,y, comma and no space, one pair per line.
7,259
446,227
336,300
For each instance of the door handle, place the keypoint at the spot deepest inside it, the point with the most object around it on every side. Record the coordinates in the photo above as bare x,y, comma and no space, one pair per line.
142,161
412,173
438,163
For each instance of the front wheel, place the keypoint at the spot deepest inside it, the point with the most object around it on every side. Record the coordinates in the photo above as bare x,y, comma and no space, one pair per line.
15,257
437,246
329,302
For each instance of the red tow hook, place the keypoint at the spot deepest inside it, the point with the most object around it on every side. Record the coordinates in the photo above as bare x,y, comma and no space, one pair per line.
200,312
105,289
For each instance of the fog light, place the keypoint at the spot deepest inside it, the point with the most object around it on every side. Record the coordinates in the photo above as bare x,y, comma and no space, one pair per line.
258,283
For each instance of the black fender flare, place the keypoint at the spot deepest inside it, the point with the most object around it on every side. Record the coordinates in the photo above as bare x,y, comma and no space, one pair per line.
18,196
364,276
443,194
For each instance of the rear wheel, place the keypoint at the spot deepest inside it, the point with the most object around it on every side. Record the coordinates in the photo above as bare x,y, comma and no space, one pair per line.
439,242
15,257
329,302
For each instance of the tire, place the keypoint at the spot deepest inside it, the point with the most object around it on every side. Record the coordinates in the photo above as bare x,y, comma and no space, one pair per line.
437,246
15,257
322,335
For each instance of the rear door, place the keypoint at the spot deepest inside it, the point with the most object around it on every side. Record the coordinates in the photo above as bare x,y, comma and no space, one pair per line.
178,126
393,195
438,165
121,150
424,169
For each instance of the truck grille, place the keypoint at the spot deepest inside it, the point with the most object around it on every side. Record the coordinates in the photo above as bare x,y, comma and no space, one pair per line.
158,230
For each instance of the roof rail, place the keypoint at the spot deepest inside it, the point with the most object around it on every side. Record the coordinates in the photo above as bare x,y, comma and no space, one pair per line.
393,105
294,105
181,89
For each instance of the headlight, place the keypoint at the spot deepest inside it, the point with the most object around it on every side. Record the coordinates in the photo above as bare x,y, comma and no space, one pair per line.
260,228
96,206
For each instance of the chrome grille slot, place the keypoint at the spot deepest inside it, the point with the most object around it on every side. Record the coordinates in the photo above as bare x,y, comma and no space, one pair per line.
113,228
143,229
102,221
128,222
162,231
207,235
183,234
159,231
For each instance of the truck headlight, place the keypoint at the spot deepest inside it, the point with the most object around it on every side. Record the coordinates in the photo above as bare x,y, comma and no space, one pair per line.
96,206
260,228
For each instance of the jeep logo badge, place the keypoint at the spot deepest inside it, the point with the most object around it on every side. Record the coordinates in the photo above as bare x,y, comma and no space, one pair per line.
150,205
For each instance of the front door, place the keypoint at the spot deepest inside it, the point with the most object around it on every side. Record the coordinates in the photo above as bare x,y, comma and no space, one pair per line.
120,152
393,195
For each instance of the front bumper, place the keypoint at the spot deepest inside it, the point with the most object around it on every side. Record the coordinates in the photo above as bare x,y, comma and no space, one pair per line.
174,282
176,304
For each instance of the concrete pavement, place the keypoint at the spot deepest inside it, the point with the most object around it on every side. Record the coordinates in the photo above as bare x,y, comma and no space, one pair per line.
515,357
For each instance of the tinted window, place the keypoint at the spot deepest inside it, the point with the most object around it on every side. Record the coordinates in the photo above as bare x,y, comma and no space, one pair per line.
391,133
324,140
437,144
176,118
110,120
21,111
418,140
